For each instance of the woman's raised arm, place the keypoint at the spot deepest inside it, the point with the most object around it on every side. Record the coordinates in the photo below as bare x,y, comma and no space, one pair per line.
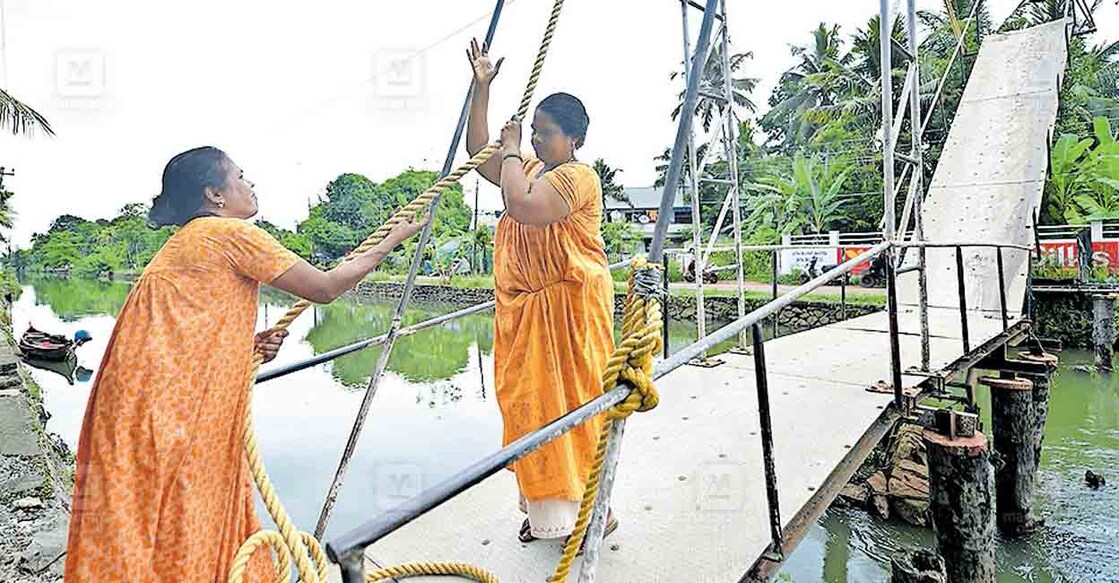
477,125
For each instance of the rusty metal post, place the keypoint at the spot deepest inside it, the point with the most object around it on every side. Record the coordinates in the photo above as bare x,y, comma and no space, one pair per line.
1103,331
963,299
1002,291
771,492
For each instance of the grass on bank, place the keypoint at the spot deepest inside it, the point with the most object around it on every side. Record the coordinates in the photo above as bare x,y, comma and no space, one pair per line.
486,281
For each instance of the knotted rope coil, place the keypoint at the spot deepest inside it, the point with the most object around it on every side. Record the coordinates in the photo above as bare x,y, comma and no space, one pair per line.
631,362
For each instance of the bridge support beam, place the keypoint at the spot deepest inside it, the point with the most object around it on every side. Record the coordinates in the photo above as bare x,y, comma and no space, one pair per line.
1103,330
960,505
1012,418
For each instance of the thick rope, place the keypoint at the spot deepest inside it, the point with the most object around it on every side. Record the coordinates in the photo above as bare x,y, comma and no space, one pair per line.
631,362
289,543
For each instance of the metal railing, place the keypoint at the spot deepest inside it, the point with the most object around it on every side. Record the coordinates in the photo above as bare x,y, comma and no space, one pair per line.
282,371
348,549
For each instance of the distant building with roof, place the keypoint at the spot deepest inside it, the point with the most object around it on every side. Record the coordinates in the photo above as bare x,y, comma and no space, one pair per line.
643,208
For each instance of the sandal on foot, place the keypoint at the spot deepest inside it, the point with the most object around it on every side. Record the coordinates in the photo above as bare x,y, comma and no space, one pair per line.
525,535
611,526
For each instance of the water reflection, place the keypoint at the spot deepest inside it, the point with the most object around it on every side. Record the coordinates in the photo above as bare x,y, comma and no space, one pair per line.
68,368
433,412
434,354
71,299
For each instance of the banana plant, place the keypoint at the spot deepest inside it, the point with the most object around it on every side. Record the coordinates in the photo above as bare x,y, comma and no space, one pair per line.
807,198
1084,185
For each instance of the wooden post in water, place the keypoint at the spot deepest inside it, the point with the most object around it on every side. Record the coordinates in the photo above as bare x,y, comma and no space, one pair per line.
1040,398
960,505
1012,420
922,566
1103,330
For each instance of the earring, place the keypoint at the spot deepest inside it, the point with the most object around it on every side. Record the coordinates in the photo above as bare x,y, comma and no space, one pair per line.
221,204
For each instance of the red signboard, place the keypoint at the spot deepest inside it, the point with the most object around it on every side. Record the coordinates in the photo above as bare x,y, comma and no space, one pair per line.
1066,253
1106,253
844,254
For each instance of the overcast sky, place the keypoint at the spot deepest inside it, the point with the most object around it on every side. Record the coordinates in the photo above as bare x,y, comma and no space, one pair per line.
299,93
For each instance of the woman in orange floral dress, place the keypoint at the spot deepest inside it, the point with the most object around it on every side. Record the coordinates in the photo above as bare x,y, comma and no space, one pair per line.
162,490
554,314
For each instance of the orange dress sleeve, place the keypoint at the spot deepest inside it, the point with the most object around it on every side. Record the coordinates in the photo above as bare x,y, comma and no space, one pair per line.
578,185
256,254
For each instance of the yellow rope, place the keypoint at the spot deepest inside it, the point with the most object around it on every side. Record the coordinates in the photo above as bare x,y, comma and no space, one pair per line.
631,362
289,543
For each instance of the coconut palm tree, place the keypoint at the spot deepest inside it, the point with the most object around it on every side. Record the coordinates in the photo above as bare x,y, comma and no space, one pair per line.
712,83
610,188
817,81
20,117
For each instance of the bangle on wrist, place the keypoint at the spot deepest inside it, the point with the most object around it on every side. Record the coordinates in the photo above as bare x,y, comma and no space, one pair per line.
508,155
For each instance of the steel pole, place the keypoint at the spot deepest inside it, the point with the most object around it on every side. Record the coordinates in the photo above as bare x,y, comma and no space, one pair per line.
917,152
761,379
730,137
773,274
665,320
401,306
962,291
693,183
606,482
1002,291
675,164
885,31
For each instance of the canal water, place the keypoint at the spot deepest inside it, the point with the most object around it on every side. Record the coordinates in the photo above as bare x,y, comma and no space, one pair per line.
434,413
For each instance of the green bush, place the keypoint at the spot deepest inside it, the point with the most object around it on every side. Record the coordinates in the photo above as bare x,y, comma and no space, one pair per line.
1052,270
794,278
675,272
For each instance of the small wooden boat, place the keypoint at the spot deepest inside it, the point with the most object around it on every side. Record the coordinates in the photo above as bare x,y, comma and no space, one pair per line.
43,346
68,368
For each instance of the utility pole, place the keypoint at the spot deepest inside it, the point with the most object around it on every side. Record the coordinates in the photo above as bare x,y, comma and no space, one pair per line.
5,172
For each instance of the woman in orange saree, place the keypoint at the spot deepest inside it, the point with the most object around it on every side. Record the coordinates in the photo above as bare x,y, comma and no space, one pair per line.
554,295
162,490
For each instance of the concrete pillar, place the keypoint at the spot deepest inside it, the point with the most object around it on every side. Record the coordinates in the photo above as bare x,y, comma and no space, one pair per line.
960,505
1012,421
